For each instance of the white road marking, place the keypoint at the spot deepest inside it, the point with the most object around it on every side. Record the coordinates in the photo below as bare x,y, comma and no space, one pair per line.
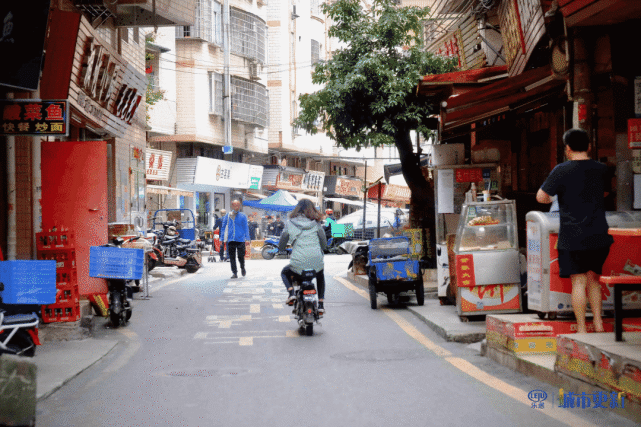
254,308
278,306
246,341
283,318
225,324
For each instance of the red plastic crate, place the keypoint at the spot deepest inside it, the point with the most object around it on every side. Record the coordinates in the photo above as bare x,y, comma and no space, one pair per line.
65,258
63,312
55,240
67,294
66,276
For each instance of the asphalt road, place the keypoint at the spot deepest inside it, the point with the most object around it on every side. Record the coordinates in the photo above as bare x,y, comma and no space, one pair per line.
206,350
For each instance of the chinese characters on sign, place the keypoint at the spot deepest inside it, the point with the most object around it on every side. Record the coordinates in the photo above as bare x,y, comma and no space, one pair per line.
34,117
465,270
313,181
469,175
222,172
450,48
157,164
596,400
634,133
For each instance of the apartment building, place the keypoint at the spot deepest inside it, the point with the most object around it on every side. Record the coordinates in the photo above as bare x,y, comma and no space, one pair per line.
217,149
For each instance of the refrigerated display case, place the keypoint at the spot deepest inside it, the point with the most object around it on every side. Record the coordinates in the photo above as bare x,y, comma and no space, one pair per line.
487,259
547,293
451,182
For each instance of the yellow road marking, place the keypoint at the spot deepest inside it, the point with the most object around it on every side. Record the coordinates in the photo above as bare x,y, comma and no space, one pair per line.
254,308
466,367
225,324
283,318
278,306
292,334
246,341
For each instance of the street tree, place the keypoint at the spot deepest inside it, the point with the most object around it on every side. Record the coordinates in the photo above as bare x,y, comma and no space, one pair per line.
369,89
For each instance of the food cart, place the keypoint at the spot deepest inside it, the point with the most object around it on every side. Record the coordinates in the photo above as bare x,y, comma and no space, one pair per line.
451,183
487,259
548,294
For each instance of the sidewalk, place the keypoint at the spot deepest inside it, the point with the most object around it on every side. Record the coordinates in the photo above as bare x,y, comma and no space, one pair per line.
58,362
577,363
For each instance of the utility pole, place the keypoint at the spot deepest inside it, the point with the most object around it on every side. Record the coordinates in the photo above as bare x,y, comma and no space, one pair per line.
227,78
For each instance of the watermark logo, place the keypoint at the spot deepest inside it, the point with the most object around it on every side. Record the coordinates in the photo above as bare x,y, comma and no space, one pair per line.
537,397
595,400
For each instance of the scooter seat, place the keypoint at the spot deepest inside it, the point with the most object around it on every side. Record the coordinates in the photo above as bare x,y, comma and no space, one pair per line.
15,319
184,241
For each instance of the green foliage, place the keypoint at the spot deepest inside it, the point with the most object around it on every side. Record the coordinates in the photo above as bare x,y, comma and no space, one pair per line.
369,85
152,95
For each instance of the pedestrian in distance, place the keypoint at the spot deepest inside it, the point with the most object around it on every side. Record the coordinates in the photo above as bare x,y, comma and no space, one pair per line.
279,226
236,229
253,226
219,225
584,242
307,238
271,227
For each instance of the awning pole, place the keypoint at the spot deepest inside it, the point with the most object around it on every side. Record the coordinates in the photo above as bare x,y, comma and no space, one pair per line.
378,230
365,189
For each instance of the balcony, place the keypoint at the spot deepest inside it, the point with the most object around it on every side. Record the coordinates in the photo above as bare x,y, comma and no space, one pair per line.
139,13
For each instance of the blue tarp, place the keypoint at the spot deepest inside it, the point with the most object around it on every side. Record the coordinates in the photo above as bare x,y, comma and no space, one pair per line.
280,201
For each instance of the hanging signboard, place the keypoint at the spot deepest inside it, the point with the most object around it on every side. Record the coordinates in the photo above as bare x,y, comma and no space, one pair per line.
255,177
221,173
348,187
22,39
522,26
91,74
158,163
34,117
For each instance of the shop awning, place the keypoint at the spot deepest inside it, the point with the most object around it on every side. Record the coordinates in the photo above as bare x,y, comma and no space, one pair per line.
358,203
160,189
500,97
300,196
441,86
599,12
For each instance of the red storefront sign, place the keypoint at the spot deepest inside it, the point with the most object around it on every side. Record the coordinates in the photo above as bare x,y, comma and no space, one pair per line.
465,271
91,74
634,133
34,117
348,187
469,175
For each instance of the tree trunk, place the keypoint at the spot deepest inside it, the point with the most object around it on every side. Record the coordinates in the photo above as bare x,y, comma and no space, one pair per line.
422,212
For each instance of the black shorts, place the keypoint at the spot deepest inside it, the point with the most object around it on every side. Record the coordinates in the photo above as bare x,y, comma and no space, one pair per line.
579,262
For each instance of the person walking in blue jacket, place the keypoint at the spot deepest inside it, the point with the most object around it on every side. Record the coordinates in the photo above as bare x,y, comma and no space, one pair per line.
236,233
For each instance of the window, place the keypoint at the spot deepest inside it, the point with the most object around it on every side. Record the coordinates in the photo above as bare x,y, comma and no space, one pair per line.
247,35
249,102
207,25
315,52
315,7
215,93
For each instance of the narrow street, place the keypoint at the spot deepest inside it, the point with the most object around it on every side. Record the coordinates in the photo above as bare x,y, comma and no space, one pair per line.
206,350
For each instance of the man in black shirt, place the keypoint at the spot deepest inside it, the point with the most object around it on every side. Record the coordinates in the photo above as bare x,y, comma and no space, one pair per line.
278,226
584,242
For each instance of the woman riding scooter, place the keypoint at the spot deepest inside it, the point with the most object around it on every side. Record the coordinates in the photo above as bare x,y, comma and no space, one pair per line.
305,234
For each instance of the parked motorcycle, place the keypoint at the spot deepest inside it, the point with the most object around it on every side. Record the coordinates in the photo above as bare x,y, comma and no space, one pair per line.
306,302
19,334
270,248
170,249
120,292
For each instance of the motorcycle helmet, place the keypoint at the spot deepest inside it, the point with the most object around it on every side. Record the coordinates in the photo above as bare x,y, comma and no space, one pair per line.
171,231
329,212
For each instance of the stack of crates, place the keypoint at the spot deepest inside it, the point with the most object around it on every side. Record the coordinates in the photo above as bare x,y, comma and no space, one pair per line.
60,247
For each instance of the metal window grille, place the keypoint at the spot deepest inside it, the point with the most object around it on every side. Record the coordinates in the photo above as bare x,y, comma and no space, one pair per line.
315,7
248,35
315,52
249,102
215,93
207,25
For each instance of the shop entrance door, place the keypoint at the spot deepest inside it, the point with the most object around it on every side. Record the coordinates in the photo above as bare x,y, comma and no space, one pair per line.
74,196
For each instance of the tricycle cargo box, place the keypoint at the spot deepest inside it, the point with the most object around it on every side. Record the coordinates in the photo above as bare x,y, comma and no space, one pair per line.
116,263
28,281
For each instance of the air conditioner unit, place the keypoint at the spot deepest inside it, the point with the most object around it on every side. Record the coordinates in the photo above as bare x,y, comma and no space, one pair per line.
253,71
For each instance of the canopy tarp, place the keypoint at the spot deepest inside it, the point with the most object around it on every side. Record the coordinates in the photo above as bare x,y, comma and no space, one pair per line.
280,201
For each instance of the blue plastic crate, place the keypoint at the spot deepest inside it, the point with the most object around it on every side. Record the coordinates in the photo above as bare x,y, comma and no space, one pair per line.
116,263
28,281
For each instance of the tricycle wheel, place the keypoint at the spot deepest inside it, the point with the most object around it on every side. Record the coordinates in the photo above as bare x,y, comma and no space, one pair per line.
541,315
267,253
372,292
420,293
309,329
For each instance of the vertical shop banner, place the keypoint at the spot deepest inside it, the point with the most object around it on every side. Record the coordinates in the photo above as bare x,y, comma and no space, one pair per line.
34,117
158,163
465,270
22,39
